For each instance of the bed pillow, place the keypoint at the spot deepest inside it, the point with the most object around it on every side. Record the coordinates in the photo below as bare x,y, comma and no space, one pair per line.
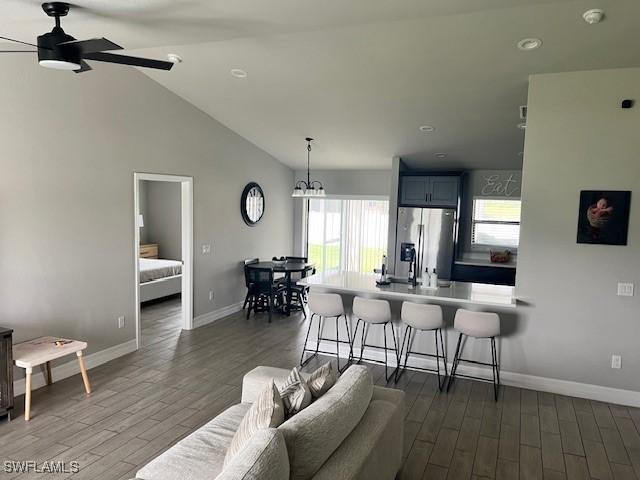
295,393
266,412
322,380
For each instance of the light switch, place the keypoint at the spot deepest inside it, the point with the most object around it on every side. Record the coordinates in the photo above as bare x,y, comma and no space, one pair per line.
625,289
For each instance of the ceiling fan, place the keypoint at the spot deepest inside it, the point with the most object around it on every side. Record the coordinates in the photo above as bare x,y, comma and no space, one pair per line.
61,51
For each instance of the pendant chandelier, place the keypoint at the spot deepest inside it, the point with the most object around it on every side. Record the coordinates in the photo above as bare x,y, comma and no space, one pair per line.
308,188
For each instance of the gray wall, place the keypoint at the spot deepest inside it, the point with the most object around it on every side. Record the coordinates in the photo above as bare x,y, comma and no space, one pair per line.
338,182
162,205
578,138
66,197
569,320
484,183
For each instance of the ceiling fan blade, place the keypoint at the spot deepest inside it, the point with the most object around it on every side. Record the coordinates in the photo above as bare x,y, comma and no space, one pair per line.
84,67
18,41
91,45
127,60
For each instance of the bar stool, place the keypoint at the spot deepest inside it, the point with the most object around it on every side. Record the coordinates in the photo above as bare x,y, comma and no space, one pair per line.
326,305
424,318
374,312
477,325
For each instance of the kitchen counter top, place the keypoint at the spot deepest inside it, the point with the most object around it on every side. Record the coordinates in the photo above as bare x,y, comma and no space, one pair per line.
459,293
483,260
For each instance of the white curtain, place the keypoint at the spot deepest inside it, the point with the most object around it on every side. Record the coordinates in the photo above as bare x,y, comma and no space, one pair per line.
347,234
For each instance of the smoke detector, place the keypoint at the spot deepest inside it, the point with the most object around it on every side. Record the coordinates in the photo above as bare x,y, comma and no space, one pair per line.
593,16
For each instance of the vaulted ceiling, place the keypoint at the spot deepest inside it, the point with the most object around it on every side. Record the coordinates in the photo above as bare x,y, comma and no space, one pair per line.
360,76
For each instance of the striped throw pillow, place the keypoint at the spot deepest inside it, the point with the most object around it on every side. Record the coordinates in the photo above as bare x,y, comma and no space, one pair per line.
322,380
266,412
295,393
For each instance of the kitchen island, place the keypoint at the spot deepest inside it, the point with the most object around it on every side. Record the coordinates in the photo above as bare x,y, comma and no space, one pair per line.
463,294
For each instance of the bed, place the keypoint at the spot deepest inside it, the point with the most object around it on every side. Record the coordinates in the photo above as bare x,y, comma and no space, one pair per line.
159,278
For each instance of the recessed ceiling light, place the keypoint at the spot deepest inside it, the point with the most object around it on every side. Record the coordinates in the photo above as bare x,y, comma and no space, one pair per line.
174,58
528,44
522,126
427,128
440,155
593,16
238,73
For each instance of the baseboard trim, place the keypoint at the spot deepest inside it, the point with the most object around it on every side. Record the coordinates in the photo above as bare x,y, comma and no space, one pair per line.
600,393
72,367
216,315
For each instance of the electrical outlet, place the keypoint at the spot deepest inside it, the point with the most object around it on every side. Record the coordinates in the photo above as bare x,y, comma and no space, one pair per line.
616,361
206,249
625,289
121,322
211,295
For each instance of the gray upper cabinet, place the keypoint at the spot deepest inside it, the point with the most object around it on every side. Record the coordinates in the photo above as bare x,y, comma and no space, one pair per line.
430,191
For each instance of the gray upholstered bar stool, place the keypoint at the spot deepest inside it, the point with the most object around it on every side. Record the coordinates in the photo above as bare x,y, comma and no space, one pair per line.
477,325
423,318
370,312
326,305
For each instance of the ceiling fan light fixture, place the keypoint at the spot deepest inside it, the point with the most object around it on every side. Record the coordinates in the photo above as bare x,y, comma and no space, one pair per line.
59,65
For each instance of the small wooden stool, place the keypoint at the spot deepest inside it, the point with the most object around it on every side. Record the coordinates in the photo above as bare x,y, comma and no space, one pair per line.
41,351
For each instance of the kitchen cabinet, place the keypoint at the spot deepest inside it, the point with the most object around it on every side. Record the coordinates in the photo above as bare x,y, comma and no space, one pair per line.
438,191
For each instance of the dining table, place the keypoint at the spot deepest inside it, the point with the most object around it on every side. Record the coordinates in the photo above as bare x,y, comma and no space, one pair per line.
287,268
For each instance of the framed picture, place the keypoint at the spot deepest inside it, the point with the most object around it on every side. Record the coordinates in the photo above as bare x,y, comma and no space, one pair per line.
603,217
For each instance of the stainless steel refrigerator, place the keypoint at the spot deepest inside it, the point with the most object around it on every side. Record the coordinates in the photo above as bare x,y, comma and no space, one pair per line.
431,231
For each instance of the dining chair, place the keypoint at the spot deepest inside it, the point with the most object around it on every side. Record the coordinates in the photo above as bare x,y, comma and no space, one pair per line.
299,292
248,261
262,291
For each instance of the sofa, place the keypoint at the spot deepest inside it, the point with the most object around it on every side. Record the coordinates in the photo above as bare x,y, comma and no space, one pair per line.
354,431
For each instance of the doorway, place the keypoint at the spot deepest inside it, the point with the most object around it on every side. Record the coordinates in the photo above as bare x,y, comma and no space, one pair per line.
163,251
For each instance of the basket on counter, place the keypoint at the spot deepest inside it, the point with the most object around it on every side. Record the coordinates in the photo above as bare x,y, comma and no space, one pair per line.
500,256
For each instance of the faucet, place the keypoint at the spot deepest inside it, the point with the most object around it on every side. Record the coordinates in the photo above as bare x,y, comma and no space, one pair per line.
413,269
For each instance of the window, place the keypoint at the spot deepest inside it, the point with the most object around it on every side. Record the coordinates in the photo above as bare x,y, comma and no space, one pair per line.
347,234
496,222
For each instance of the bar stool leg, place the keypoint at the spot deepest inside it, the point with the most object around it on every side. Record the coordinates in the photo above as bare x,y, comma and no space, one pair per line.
385,353
440,382
406,338
455,363
362,341
444,359
346,324
395,348
495,368
338,344
304,347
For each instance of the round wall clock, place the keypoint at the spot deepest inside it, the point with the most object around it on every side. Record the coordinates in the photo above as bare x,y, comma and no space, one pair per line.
252,204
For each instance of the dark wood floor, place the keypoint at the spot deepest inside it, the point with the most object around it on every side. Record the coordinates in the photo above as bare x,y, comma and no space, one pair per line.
146,401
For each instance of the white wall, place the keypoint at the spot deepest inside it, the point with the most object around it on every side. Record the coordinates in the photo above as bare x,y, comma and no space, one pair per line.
578,138
66,197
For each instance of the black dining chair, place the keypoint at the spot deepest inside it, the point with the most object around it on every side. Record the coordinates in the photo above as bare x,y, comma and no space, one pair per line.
248,261
262,291
299,292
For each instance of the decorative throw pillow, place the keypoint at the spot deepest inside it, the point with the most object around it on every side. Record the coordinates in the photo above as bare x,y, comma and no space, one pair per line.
266,412
295,393
322,380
